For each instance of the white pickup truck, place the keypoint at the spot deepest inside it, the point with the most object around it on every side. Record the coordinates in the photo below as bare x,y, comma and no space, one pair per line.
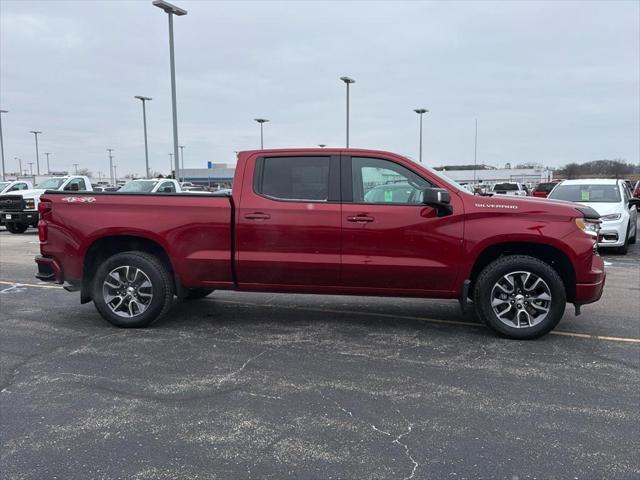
14,185
19,208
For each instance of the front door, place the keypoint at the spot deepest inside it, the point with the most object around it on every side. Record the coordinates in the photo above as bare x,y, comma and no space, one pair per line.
390,240
288,222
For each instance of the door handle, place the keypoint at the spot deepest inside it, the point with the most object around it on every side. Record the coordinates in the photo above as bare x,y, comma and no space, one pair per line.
257,216
360,219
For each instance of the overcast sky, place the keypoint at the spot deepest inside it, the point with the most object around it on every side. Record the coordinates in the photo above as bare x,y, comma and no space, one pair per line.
550,82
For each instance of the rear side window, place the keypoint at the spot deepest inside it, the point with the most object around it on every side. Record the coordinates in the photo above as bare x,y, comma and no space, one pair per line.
293,178
506,186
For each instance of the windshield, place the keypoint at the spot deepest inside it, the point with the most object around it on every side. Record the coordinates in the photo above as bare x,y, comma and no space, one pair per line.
139,186
505,186
51,183
446,179
587,193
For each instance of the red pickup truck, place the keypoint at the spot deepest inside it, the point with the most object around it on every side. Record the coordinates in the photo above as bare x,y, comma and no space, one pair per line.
356,222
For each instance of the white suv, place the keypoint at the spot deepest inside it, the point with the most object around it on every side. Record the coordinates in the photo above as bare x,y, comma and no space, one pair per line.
612,200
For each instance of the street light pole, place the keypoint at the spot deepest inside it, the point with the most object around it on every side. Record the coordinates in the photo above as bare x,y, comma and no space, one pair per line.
19,163
261,121
115,173
171,165
348,81
110,150
36,133
172,10
421,112
48,169
182,159
31,168
144,122
4,170
475,155
76,165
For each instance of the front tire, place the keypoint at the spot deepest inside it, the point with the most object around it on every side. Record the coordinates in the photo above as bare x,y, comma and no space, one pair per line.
132,289
625,247
17,227
520,297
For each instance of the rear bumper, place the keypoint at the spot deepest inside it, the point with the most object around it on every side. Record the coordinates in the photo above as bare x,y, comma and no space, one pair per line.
49,270
25,216
592,291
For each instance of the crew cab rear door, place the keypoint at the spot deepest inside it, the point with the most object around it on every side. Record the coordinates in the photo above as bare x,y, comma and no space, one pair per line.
288,222
390,240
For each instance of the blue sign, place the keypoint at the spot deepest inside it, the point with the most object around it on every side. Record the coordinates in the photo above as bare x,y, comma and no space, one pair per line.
209,165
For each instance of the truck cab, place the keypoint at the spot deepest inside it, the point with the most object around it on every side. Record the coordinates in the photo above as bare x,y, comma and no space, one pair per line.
19,208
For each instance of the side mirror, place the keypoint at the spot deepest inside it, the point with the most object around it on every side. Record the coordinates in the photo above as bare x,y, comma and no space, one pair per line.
634,201
166,190
74,187
439,198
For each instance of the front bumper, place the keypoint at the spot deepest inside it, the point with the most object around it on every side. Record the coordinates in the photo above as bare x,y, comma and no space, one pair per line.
591,291
612,234
24,216
49,270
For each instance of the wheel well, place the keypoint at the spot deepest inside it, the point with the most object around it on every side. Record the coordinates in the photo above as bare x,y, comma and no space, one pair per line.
550,255
105,247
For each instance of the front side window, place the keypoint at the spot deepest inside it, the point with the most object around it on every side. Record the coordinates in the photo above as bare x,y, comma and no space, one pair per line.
382,181
294,178
167,187
79,185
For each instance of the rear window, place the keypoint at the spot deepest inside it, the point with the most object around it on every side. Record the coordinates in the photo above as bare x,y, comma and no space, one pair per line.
505,186
587,193
294,178
545,187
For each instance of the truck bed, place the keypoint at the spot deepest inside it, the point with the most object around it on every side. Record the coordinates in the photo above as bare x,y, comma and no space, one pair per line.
194,230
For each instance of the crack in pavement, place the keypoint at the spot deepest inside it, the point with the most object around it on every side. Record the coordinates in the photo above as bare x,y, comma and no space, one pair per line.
396,440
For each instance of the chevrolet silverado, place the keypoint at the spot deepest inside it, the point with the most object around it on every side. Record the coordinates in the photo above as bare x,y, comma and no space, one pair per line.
325,221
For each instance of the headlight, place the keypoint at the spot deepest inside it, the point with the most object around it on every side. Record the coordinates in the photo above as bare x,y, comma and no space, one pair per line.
613,216
588,227
30,204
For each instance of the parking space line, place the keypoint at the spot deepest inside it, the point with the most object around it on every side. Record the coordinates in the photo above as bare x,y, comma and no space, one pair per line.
430,320
19,284
589,336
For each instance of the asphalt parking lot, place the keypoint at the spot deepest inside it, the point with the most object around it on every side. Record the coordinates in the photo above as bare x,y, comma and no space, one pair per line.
246,386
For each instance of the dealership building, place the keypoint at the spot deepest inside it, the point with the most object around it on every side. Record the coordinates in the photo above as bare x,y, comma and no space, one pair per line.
220,175
489,176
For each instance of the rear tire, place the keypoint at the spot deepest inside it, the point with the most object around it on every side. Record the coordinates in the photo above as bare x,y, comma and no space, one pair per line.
197,293
519,297
17,227
132,289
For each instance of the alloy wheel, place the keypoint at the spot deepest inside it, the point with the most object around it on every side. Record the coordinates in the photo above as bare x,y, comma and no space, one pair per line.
127,291
521,299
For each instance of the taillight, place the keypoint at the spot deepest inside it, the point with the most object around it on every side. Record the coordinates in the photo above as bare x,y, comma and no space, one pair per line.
44,212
